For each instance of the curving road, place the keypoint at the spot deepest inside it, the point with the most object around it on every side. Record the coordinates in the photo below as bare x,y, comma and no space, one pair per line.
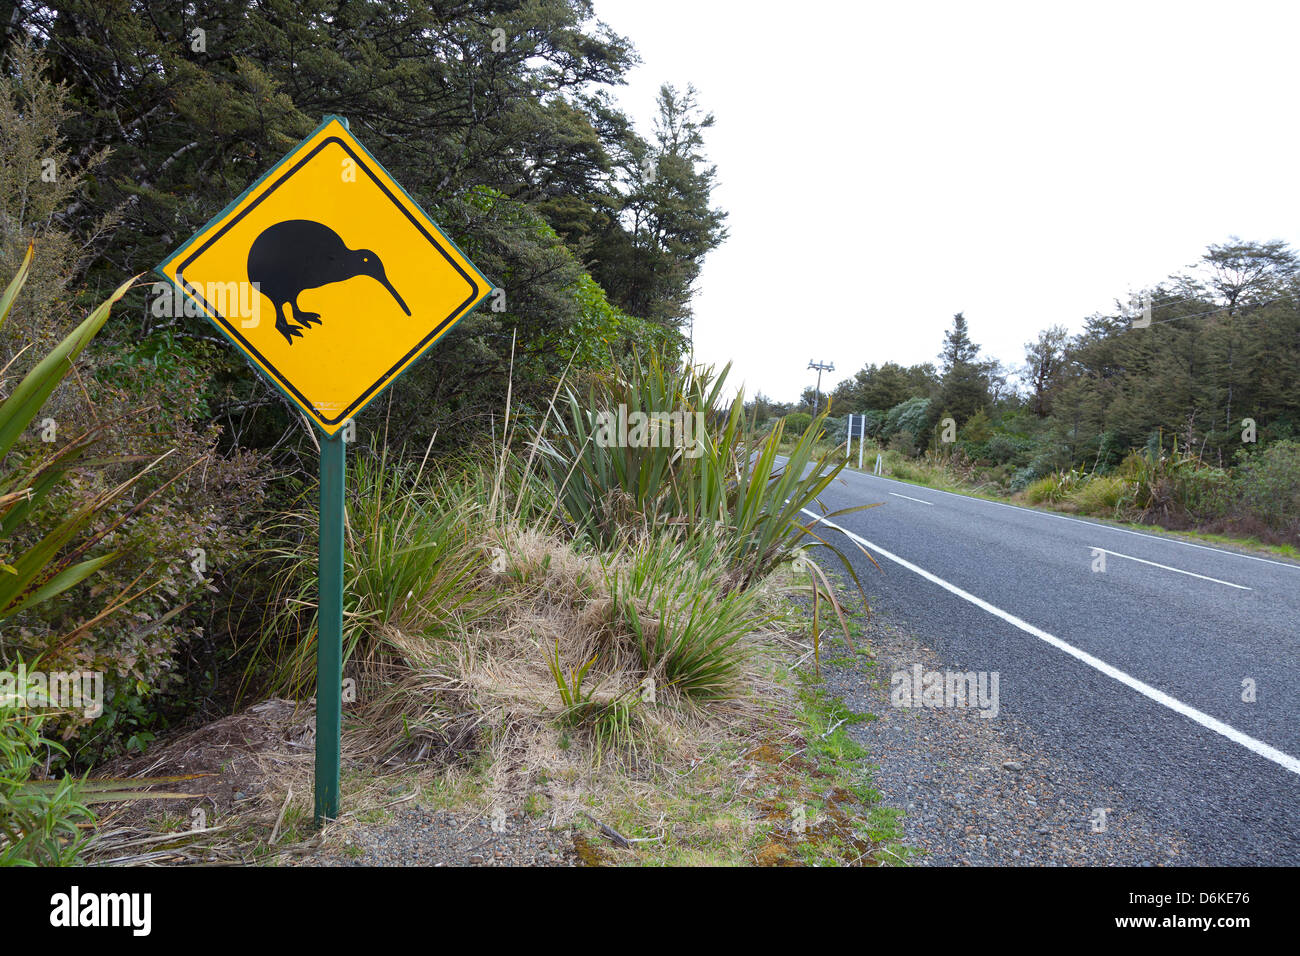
1129,654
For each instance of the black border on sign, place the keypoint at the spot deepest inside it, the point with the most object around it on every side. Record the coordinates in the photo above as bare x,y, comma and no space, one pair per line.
392,372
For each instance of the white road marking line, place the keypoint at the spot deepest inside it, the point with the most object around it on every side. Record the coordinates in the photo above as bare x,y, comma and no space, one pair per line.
1258,747
897,495
1178,570
1092,524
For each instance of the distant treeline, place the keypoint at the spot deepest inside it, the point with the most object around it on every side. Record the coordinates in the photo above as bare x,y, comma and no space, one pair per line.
1209,359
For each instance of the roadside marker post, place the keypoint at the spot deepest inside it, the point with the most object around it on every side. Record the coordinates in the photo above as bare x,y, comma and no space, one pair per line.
360,282
861,424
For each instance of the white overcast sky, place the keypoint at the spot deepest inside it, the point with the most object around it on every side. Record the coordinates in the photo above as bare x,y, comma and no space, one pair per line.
888,164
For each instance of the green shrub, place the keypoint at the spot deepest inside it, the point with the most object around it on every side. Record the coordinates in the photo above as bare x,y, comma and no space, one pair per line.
796,423
911,416
1022,478
1268,485
40,822
977,429
128,407
64,522
874,421
904,443
1002,448
1040,466
1177,485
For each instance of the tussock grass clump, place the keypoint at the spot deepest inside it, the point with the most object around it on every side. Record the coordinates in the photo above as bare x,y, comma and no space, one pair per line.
411,553
1101,495
687,626
585,659
471,635
1054,489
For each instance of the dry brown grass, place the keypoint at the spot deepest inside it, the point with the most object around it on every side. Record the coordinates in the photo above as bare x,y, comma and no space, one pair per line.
498,677
479,719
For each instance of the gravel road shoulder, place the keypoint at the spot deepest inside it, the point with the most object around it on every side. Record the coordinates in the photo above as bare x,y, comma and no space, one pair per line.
975,791
417,836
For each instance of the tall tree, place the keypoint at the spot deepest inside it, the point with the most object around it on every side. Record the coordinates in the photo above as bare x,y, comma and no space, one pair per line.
965,383
651,250
1044,363
1238,275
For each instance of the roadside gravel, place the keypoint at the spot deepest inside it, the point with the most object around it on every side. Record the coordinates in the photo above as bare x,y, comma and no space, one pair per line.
974,790
416,836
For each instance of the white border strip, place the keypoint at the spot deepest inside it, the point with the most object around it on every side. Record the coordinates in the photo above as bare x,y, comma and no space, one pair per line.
917,500
1258,747
1166,567
1092,524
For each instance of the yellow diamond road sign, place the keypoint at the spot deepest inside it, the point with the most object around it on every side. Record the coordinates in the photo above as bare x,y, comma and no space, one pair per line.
328,276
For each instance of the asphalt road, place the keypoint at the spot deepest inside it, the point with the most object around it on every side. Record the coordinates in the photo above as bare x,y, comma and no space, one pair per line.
1135,673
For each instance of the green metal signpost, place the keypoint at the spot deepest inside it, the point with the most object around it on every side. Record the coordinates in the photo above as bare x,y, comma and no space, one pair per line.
329,628
330,224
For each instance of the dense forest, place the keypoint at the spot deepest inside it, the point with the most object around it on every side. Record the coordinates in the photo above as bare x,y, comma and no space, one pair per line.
126,125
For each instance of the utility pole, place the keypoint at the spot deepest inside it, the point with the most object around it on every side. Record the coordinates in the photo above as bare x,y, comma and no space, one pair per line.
817,393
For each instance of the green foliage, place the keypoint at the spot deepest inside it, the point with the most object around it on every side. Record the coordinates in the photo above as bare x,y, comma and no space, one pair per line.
1269,485
882,387
45,563
727,482
41,178
977,430
903,443
1054,488
1002,448
1167,485
589,229
125,438
81,510
611,723
965,383
1104,495
912,416
1222,358
40,825
796,423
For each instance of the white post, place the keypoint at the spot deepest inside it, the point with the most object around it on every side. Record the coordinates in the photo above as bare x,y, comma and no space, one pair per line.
861,439
848,445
